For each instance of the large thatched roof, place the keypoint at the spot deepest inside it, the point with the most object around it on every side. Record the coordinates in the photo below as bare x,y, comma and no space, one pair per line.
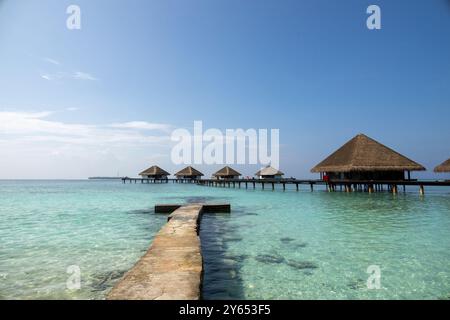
443,167
189,172
154,171
226,171
365,154
269,171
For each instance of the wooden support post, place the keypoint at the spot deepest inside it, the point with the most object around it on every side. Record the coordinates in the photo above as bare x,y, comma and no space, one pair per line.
273,186
421,190
394,189
370,188
263,185
312,187
246,185
254,185
296,186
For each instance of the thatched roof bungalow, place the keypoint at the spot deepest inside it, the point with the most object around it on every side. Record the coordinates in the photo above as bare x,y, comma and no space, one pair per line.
154,172
363,158
443,167
269,173
189,173
226,173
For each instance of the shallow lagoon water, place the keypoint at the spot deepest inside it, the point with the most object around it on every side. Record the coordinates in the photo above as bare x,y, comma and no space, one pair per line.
274,245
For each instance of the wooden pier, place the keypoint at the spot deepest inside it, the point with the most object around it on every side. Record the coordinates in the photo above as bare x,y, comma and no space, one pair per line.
369,186
151,180
263,183
172,268
331,186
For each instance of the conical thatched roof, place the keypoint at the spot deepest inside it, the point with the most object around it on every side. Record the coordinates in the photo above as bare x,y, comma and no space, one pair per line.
269,171
443,167
154,171
226,171
189,171
365,154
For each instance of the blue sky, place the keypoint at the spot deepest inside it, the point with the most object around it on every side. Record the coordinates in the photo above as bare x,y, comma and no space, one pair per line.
103,99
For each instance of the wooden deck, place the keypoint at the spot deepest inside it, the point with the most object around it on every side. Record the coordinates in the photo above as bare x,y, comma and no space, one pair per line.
148,180
333,185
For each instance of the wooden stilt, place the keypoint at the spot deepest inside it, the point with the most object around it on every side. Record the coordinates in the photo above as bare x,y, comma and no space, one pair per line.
421,190
394,189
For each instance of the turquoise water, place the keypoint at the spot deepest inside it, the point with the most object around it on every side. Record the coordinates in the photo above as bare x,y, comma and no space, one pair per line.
274,245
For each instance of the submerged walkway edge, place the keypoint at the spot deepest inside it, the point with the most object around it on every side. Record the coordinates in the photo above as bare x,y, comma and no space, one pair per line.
172,268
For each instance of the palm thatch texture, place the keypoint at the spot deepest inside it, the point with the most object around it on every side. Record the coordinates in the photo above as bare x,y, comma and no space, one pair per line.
443,167
269,173
227,173
188,173
364,158
154,172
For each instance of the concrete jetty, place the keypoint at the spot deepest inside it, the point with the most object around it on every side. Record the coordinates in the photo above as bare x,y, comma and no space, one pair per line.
172,268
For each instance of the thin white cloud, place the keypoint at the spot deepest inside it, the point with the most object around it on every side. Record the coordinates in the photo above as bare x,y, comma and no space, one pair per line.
36,146
51,77
141,125
52,61
78,75
37,127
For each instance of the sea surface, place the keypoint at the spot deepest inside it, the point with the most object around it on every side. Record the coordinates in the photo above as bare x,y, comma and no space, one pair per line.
273,245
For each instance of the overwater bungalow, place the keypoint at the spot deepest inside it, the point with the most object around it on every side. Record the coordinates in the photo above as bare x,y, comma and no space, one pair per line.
189,173
363,158
226,173
269,173
443,167
155,172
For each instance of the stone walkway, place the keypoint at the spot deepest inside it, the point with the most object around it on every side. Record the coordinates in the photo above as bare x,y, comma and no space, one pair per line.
172,267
